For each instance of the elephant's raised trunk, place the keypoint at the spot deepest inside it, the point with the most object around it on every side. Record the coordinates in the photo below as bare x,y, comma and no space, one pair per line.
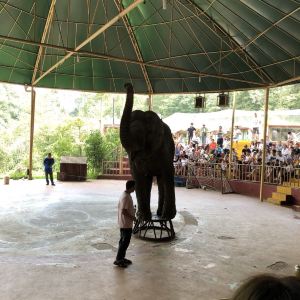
126,116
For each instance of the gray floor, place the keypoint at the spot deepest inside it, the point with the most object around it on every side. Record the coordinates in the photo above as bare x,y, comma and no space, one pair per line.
59,243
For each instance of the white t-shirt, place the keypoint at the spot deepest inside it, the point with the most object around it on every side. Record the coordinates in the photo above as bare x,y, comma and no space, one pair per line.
226,144
256,122
125,202
285,151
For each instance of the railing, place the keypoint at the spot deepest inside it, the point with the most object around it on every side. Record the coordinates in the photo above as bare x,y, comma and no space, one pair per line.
113,168
243,172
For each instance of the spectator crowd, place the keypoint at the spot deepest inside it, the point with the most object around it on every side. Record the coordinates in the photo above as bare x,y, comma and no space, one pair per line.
203,147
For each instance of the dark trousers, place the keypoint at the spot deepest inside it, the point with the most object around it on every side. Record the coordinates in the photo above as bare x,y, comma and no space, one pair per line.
125,237
49,173
220,142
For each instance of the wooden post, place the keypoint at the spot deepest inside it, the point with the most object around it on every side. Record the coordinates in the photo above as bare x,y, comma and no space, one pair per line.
262,171
121,160
150,102
231,133
31,132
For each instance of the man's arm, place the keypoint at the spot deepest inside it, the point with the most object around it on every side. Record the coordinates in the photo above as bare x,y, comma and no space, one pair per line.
126,213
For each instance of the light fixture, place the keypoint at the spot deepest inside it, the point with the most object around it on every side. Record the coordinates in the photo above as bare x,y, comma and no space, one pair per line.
200,79
223,100
164,4
200,102
77,59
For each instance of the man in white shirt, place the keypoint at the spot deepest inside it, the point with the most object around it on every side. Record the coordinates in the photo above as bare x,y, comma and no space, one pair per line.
255,128
285,151
126,216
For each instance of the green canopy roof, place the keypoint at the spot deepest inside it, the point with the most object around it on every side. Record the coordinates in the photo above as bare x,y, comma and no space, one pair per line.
187,46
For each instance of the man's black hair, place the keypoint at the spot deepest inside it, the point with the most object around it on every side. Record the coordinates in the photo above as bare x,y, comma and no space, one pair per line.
130,184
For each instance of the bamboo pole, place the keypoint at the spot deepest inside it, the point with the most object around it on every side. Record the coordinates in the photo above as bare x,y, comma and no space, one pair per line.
32,113
231,133
93,36
121,160
45,32
150,102
262,171
126,60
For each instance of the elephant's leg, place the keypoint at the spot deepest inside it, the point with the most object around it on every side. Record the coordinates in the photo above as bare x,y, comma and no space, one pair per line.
143,192
161,195
169,207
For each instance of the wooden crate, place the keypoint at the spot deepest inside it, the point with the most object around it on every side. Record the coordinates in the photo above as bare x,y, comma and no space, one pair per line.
72,169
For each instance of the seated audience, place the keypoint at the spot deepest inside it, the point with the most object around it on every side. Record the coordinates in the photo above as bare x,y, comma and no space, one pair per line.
269,287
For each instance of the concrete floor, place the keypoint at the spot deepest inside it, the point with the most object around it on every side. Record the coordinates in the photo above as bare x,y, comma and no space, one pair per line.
59,243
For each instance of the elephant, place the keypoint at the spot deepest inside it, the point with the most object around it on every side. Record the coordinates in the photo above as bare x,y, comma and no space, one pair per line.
150,147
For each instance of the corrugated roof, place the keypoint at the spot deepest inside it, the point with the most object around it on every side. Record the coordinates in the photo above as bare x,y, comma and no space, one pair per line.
191,46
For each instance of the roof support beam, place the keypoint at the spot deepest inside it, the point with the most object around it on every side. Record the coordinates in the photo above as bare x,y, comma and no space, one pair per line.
45,32
270,27
136,49
288,81
249,60
93,36
242,48
125,60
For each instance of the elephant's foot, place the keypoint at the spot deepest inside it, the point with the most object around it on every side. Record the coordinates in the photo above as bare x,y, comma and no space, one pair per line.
159,212
169,213
144,216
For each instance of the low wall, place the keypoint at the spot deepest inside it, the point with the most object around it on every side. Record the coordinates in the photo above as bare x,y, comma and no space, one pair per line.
296,195
251,189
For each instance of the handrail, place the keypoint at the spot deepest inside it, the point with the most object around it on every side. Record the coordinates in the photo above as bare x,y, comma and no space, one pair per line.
244,172
276,175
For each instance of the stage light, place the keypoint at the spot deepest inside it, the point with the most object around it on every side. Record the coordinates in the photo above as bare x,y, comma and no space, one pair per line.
223,100
200,102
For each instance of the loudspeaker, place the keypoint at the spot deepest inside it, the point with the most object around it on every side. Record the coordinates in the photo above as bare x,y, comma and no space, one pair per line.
200,102
223,100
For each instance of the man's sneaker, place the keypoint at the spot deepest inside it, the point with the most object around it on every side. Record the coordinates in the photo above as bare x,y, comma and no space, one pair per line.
120,263
47,183
53,184
127,261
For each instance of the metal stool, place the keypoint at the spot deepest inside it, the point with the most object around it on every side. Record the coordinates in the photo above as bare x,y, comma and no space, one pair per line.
156,229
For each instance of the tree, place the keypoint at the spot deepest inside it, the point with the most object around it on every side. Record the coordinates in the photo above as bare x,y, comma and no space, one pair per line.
112,144
95,150
60,141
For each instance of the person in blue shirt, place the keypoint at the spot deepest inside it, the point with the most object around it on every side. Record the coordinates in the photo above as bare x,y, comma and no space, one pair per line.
48,163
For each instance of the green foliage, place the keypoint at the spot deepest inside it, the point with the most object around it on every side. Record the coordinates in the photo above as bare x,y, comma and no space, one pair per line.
73,129
250,100
95,150
64,140
111,144
18,174
166,105
99,147
4,161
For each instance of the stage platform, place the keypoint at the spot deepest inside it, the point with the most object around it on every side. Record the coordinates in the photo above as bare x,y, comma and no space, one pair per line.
59,242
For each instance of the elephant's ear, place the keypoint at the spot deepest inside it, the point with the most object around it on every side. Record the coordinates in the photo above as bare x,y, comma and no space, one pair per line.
154,131
137,131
